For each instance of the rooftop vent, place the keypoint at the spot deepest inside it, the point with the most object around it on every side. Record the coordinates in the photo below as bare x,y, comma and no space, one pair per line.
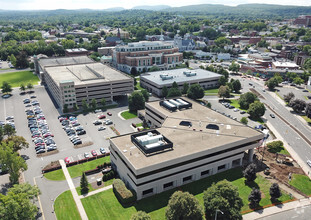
165,77
189,73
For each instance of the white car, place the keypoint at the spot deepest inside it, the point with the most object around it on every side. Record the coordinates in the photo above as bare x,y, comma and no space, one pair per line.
9,118
236,110
86,155
98,110
309,163
101,128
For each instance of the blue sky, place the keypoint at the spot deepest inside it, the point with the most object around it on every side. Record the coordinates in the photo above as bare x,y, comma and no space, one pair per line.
102,4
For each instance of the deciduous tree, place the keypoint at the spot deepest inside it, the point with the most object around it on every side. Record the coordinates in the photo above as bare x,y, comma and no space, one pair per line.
298,105
288,97
136,101
183,205
6,87
140,215
254,198
195,92
275,191
250,172
224,92
246,99
19,142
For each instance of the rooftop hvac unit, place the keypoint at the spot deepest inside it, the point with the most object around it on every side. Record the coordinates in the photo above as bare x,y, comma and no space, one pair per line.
169,106
172,101
181,101
166,77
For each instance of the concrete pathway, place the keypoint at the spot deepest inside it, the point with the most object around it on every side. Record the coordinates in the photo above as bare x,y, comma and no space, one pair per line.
73,191
95,191
119,114
277,209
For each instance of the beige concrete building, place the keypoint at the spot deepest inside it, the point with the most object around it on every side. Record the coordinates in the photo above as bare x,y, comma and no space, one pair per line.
192,142
70,80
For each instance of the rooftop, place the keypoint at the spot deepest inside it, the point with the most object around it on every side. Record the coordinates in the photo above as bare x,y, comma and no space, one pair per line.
188,141
57,61
178,76
85,73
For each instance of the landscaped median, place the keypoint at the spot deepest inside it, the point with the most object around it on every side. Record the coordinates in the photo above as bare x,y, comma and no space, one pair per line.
128,115
65,207
105,205
76,170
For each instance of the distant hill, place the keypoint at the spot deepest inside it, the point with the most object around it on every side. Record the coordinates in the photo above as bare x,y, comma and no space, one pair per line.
152,8
114,9
253,10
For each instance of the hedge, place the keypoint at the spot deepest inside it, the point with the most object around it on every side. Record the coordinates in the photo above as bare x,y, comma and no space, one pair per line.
124,195
51,169
108,176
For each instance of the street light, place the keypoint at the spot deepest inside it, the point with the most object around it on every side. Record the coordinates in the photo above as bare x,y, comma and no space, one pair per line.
217,210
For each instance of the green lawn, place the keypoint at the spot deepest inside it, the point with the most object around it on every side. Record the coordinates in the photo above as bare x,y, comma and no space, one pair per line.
107,183
138,85
78,189
65,207
235,103
280,150
306,118
55,175
77,170
104,205
211,91
16,78
302,183
128,115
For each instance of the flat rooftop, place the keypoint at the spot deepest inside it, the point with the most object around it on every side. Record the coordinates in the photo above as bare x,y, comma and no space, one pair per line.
187,141
179,76
57,61
83,74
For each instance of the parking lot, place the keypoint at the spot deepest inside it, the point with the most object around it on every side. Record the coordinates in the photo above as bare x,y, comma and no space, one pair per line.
14,106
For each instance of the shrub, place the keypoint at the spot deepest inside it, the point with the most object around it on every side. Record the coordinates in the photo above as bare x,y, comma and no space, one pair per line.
250,172
124,195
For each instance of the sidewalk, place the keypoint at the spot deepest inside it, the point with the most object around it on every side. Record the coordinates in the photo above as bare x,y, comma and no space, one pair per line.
276,209
95,191
73,191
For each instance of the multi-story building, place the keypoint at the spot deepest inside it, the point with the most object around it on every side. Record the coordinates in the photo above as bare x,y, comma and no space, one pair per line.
193,142
303,21
155,81
72,79
145,54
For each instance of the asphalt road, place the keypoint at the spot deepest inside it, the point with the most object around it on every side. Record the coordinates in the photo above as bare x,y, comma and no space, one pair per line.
302,213
14,106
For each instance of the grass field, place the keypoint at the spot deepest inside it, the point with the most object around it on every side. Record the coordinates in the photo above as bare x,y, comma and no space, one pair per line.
138,85
128,115
280,150
16,78
209,91
107,183
77,170
104,205
302,183
235,103
57,175
65,207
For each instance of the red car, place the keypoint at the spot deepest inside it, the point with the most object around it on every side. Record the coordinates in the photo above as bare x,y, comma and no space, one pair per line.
109,113
101,116
48,135
93,152
67,160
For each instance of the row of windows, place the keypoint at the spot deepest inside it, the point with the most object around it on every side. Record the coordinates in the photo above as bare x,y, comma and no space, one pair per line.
159,116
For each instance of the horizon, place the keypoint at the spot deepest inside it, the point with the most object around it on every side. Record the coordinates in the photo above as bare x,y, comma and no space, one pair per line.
35,5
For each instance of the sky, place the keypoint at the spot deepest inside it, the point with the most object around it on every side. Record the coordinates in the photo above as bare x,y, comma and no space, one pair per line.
103,4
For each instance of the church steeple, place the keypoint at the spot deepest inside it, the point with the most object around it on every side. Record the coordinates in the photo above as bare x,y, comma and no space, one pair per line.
118,34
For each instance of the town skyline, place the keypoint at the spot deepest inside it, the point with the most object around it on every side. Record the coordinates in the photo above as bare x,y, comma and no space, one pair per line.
96,4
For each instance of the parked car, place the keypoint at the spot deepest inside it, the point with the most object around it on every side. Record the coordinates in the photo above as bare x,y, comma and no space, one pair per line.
101,116
102,150
86,155
309,163
33,97
81,132
272,115
97,122
109,113
242,112
101,128
93,152
40,151
77,142
97,110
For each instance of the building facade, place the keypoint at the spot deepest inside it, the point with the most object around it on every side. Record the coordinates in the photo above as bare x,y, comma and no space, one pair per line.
193,142
155,81
145,54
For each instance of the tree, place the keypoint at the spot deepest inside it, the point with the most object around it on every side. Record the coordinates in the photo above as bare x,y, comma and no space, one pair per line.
1,134
140,215
271,83
244,120
145,94
21,60
187,63
225,197
22,88
11,161
256,110
75,107
85,106
185,88
262,43
222,81
250,172
94,103
65,109
236,85
308,110
13,60
224,92
298,105
29,86
195,92
234,67
16,203
6,87
173,92
289,97
164,91
8,130
254,198
19,142
275,146
298,81
84,184
103,102
183,205
136,101
246,99
278,77
134,71
275,191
